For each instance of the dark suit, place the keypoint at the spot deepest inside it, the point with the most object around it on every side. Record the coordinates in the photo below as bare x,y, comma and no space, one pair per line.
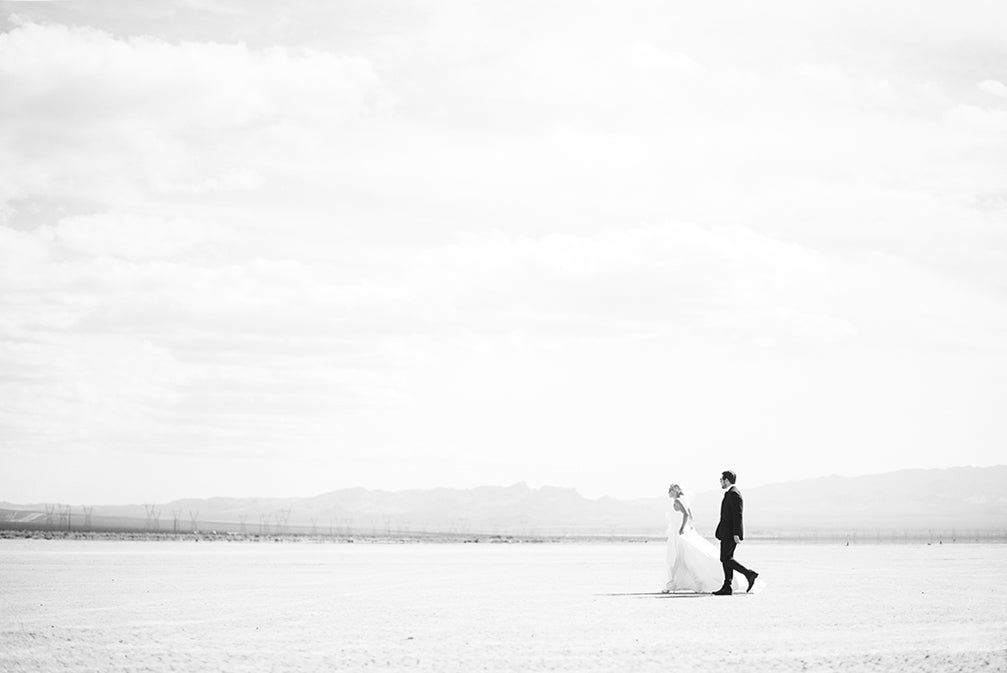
731,524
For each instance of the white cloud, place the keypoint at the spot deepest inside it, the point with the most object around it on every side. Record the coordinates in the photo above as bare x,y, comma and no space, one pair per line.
182,86
236,180
994,88
237,356
362,237
126,236
89,114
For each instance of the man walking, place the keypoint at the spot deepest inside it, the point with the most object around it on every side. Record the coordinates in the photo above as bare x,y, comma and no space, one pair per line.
730,532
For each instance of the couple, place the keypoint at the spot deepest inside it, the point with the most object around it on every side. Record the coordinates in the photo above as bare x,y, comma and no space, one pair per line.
693,563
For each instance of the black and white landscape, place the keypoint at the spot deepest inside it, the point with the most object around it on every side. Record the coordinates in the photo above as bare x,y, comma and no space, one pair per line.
303,302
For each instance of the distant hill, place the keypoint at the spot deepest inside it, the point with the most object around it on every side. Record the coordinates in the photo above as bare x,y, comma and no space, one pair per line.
516,509
961,498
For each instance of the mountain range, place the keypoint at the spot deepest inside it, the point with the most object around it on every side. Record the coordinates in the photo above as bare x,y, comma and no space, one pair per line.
959,498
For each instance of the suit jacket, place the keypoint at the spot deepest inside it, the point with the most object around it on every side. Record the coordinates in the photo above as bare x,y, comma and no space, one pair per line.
730,516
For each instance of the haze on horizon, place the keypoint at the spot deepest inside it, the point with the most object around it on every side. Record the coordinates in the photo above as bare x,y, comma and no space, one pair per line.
278,251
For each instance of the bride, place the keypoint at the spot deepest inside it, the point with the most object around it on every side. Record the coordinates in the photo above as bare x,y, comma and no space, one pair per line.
693,563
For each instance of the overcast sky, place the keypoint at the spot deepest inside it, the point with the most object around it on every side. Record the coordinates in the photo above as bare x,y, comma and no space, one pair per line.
251,248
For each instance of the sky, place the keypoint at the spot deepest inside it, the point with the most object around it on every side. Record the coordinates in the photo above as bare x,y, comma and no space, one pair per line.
261,249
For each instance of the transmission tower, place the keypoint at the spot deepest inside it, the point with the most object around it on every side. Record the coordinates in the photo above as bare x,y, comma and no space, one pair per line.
264,524
153,518
193,516
282,517
243,518
49,511
175,515
64,517
87,516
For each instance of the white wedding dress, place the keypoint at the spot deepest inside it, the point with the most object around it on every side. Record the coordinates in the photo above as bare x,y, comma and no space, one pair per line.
693,562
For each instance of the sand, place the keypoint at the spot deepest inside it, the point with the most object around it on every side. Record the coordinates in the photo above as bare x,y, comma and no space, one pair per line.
79,605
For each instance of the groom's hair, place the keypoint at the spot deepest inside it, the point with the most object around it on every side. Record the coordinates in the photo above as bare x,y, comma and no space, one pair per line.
730,476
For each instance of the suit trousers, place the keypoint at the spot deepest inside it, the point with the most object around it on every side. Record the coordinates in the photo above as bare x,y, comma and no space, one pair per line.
727,548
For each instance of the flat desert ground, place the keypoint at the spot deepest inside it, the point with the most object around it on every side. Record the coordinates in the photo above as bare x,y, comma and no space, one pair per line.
99,605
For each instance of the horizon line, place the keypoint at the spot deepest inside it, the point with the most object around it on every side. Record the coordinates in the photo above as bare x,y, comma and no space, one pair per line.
520,483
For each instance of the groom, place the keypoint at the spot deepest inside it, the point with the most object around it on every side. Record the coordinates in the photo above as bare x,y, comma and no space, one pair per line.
730,532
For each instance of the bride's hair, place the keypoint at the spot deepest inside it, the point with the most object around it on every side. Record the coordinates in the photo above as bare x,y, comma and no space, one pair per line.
678,488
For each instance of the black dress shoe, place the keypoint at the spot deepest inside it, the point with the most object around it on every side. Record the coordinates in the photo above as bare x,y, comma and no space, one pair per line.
723,591
751,581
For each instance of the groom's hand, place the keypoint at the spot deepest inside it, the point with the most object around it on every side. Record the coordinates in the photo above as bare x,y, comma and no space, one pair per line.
737,540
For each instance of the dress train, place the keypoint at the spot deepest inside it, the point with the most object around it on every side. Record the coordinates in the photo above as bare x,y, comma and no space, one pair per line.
693,562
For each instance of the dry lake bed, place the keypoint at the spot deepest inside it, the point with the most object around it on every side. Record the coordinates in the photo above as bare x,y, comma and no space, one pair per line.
94,605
